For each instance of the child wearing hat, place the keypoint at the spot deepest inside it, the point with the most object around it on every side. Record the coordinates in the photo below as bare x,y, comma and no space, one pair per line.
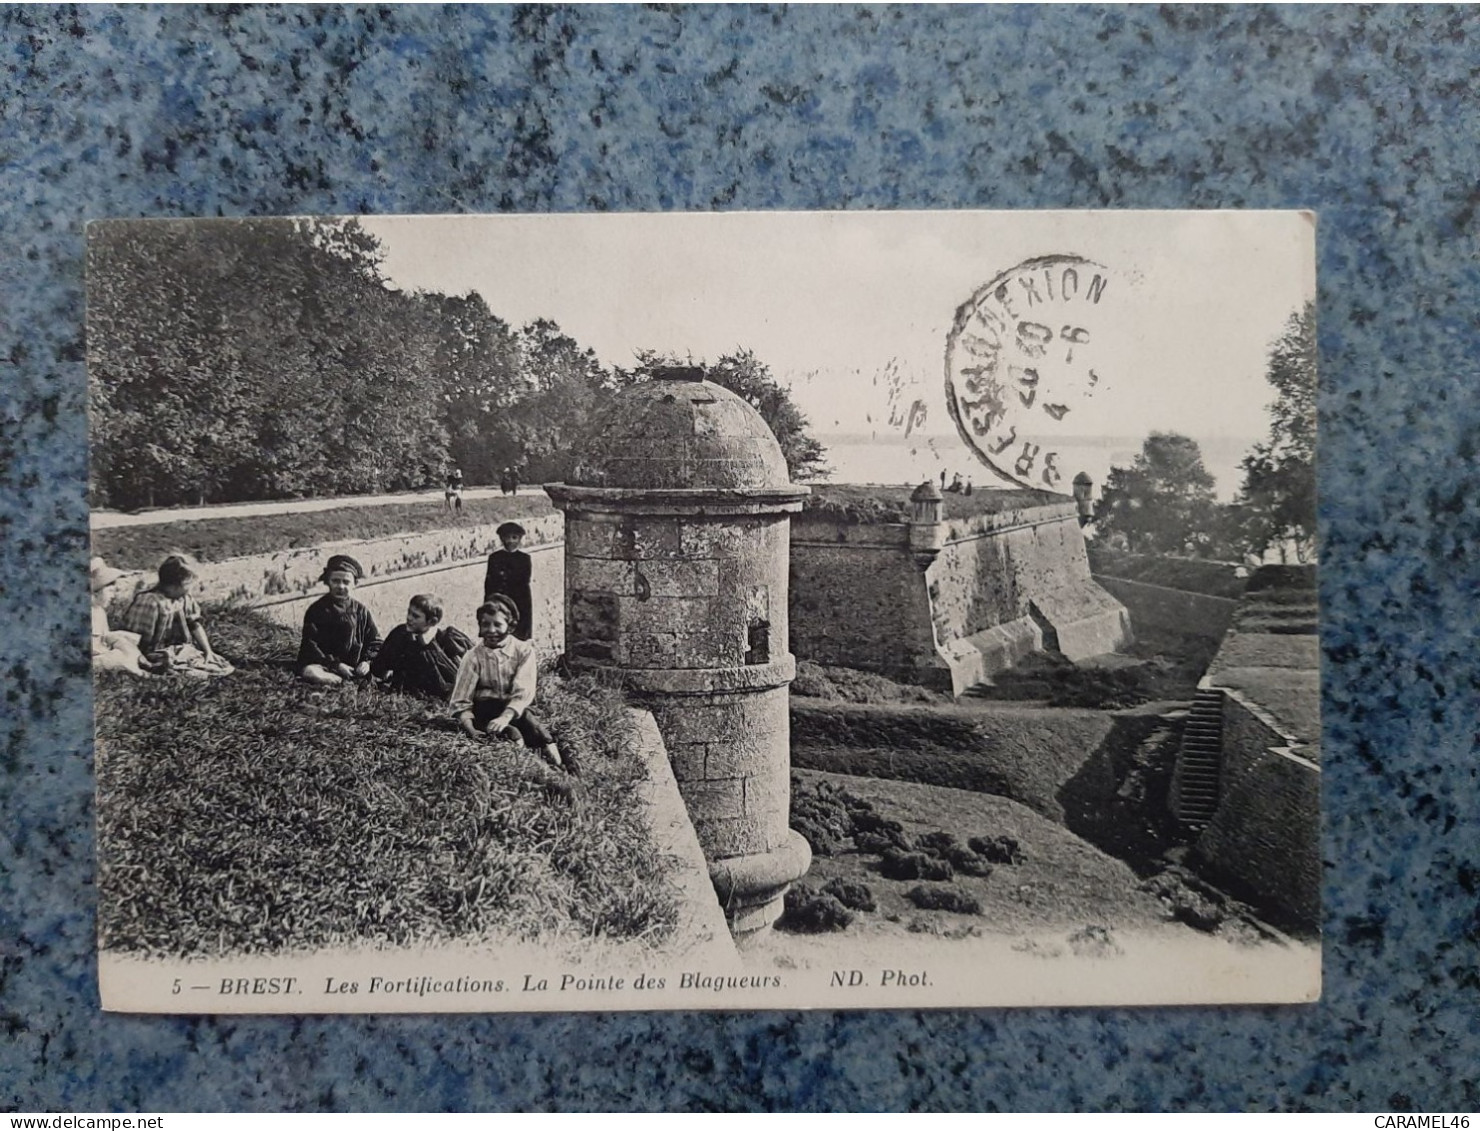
172,632
496,682
111,651
509,571
339,635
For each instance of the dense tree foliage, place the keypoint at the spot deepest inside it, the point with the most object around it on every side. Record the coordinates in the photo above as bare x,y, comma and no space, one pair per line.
262,359
1163,503
252,359
1277,504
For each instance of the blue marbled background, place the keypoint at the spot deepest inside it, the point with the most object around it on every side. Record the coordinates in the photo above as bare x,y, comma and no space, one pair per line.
1370,116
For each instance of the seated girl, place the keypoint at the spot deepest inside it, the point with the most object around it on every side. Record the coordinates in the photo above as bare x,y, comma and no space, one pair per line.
172,632
340,639
495,684
111,651
418,657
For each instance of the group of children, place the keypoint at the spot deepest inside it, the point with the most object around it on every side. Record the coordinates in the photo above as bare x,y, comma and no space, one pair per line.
489,685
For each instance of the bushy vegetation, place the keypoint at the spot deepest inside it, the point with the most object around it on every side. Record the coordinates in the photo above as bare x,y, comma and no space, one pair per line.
849,685
945,897
1163,503
829,816
812,912
254,814
266,359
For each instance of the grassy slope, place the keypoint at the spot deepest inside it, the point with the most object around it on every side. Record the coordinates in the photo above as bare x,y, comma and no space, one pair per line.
860,502
1214,579
252,815
218,539
1062,882
1018,752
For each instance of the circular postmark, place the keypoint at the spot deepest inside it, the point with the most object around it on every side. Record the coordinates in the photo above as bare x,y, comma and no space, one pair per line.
1022,369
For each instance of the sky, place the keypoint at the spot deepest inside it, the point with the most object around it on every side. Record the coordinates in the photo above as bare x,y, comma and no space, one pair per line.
852,310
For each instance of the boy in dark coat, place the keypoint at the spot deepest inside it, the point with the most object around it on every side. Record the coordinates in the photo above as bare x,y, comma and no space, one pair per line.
417,657
509,571
339,634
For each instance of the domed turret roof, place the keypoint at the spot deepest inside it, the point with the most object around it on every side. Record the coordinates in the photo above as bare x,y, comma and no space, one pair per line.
677,432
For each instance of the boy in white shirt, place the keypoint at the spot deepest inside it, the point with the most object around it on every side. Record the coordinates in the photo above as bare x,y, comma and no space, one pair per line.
495,684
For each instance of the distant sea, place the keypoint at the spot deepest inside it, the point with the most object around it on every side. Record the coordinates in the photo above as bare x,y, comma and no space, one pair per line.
885,458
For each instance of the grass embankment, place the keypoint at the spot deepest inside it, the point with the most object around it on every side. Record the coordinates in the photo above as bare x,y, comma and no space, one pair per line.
220,539
254,814
856,503
1190,575
1158,666
1280,600
958,864
1026,754
1101,775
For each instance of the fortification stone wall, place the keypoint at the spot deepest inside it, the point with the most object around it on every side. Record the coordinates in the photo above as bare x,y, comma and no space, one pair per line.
858,600
1001,586
1265,836
1171,610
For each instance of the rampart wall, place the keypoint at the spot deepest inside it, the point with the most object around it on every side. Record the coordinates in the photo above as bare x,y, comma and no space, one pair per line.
1002,585
1171,610
1264,837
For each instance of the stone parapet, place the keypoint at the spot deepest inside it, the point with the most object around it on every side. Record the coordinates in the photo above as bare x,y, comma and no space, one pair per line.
946,606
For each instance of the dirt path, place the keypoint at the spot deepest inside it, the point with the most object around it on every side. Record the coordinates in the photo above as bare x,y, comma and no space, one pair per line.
103,520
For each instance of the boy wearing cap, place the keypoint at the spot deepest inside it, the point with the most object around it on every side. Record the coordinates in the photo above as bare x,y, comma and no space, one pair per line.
495,684
509,571
339,634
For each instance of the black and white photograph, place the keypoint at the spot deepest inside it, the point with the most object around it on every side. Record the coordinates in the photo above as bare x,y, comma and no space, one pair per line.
722,611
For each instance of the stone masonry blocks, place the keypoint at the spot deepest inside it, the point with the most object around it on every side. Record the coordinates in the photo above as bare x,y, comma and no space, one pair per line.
678,578
711,799
596,576
728,836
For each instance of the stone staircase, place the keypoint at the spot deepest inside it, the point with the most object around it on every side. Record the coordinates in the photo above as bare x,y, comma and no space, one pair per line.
1195,782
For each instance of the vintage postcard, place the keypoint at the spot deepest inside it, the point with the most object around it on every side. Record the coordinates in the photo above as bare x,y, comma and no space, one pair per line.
741,611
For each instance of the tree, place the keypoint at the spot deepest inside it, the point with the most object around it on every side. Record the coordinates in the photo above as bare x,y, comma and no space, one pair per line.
477,359
563,396
253,359
1278,498
1163,503
749,378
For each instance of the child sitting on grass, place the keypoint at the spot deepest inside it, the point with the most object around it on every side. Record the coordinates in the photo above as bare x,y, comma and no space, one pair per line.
111,651
495,684
172,632
340,639
417,657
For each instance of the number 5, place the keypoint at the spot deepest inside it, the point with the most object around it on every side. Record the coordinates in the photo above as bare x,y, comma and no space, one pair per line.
176,988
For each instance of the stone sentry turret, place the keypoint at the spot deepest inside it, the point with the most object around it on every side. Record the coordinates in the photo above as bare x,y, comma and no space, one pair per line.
677,543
